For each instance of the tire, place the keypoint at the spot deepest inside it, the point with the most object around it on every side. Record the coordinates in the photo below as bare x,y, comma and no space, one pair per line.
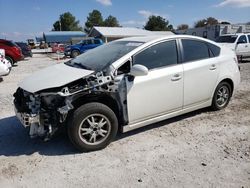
10,59
92,127
75,53
222,95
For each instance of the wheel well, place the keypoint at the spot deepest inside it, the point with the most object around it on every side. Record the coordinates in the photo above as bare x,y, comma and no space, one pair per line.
13,61
230,82
75,50
103,99
7,55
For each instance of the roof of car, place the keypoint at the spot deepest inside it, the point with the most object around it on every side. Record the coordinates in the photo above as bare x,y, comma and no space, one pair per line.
159,37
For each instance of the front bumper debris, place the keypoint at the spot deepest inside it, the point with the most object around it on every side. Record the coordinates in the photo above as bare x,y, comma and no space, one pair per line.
27,119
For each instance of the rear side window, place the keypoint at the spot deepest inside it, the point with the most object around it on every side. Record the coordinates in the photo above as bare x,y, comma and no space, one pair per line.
9,43
89,42
159,55
97,41
248,38
242,39
194,50
214,49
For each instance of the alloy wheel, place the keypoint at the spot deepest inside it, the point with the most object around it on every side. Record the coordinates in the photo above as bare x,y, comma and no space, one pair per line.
94,129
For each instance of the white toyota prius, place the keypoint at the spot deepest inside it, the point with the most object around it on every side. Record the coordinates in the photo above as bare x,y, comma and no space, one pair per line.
124,85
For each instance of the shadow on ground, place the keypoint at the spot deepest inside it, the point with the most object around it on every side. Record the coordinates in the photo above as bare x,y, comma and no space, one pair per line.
15,141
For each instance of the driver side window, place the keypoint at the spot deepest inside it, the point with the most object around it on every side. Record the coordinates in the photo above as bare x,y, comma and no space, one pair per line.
159,55
242,39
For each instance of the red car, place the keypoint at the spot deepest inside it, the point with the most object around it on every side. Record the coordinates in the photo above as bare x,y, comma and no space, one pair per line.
13,53
58,48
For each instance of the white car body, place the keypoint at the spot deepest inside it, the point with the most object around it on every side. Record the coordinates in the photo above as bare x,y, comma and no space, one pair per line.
5,65
241,47
144,94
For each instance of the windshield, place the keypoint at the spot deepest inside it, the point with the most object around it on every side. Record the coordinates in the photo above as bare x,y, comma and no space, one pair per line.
99,58
227,39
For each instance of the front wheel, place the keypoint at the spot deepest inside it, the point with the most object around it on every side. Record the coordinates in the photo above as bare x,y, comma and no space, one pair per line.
92,127
222,96
75,53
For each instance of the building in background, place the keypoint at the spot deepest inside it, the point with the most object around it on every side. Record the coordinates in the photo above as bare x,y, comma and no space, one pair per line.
212,32
64,37
108,34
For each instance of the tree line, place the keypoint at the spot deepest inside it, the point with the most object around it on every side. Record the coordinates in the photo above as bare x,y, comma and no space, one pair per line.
68,22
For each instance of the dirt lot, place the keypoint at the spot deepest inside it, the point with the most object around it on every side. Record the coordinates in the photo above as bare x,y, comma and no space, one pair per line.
200,149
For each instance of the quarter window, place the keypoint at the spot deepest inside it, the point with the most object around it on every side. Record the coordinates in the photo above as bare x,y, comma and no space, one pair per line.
159,55
97,41
194,50
214,49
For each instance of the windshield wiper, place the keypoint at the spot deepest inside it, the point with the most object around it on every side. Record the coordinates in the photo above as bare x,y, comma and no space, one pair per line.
81,65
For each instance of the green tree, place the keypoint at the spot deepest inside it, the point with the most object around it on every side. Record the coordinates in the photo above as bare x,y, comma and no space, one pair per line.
158,23
182,27
212,21
200,23
66,22
94,19
111,21
205,22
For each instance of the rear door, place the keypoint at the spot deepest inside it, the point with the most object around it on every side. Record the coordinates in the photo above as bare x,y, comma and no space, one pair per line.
201,71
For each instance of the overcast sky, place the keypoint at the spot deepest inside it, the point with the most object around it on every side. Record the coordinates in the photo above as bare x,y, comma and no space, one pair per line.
22,19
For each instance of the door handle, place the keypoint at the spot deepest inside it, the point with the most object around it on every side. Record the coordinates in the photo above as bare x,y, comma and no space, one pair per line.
213,67
176,77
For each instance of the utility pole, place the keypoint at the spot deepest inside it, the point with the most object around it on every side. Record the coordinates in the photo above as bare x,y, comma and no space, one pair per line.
60,25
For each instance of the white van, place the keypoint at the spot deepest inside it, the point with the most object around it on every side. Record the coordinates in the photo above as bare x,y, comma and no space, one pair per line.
239,42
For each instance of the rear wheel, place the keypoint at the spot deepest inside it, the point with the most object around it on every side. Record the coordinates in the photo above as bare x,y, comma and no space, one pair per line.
92,127
221,96
75,53
10,59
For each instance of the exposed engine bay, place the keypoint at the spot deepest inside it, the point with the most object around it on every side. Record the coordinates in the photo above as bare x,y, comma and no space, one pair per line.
48,110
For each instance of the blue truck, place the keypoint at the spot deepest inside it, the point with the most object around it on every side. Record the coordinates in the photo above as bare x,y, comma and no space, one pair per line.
82,46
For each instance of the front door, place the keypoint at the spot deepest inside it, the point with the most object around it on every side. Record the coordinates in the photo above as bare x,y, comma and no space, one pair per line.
242,47
161,91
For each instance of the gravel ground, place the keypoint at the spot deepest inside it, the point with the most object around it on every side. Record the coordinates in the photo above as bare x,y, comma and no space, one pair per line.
199,149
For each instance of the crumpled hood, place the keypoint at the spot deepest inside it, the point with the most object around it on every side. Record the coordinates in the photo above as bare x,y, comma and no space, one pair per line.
53,76
229,45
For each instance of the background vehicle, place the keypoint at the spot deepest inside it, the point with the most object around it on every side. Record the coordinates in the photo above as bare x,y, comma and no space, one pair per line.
5,66
43,45
13,52
238,42
26,49
58,48
127,84
31,43
81,47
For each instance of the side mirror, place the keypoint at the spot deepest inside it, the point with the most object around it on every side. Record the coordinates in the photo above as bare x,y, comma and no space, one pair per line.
139,70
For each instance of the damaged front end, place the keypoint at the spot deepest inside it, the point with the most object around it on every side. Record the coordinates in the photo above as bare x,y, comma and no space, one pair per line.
44,112
40,112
